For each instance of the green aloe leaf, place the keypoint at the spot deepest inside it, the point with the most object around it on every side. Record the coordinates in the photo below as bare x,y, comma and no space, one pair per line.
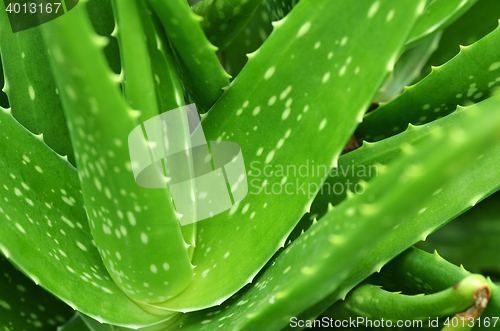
416,271
438,15
138,85
32,92
463,192
248,41
156,72
369,160
372,302
408,68
103,21
267,95
476,23
223,20
202,74
461,81
24,305
45,229
332,249
128,222
471,239
450,290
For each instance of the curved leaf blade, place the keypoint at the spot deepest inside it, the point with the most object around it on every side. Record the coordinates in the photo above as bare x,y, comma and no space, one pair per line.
128,222
438,15
23,305
30,86
202,74
269,95
460,81
45,230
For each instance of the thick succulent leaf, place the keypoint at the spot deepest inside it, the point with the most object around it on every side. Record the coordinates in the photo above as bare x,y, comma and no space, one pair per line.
476,23
130,224
138,85
438,15
24,305
167,81
103,21
168,91
372,302
367,162
460,194
248,41
269,112
223,20
45,231
151,82
316,263
280,8
31,89
416,271
408,68
471,239
461,81
202,74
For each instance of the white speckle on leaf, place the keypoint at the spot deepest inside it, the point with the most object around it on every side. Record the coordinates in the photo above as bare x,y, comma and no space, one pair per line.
285,114
269,73
373,9
270,156
390,15
495,66
303,29
32,92
144,238
326,77
322,124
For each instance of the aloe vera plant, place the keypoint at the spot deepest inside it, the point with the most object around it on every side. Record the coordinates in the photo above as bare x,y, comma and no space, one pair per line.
319,235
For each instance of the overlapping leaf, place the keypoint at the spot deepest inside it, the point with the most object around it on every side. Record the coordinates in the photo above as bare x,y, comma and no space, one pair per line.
270,114
31,89
248,41
45,230
130,224
223,20
202,74
471,239
24,305
438,15
476,23
463,192
336,247
461,81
